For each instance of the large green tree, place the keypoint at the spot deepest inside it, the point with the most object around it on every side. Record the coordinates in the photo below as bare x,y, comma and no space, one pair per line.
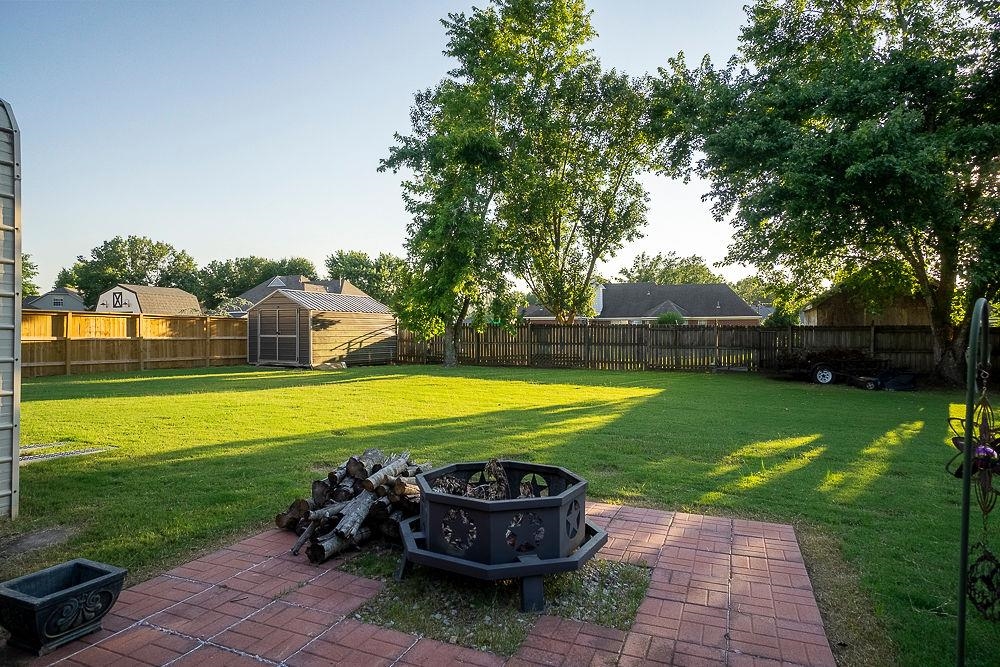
572,139
853,132
525,161
454,251
136,260
669,269
380,277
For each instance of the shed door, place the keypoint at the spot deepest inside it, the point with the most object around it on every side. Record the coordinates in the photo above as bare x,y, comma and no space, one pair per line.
278,336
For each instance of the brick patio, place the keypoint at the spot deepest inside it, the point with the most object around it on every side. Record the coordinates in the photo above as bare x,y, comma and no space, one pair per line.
723,592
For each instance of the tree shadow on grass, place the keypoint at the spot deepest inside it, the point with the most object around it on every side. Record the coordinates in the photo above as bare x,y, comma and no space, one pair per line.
262,378
195,381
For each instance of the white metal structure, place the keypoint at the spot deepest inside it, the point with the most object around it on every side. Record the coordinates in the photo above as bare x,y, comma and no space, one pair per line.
10,310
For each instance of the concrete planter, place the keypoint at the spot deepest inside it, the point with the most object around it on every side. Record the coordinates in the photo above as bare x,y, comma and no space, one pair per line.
54,606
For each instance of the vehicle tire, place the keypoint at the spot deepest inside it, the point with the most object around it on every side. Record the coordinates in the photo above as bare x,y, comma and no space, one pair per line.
823,374
871,385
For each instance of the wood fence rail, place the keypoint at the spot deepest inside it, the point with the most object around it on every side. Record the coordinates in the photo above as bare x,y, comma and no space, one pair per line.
67,342
661,347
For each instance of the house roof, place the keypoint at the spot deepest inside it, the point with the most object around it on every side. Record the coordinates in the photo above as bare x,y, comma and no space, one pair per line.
29,301
623,300
163,300
324,301
648,300
301,283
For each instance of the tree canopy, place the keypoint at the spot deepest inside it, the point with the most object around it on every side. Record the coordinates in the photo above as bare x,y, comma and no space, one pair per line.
29,271
222,280
135,260
524,163
669,269
851,133
381,277
454,254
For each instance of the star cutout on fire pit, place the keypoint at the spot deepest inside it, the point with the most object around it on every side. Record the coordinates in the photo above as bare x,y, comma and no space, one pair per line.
525,532
533,486
573,516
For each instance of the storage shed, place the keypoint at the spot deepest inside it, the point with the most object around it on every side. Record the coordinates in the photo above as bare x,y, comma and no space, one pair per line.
299,328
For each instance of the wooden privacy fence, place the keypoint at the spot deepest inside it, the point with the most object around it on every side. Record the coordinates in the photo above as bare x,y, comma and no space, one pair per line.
658,347
63,343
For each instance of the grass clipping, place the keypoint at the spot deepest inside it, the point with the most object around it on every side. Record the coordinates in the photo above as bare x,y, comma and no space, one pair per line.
485,615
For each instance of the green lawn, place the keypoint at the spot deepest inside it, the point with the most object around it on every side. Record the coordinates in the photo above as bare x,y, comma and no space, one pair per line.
205,456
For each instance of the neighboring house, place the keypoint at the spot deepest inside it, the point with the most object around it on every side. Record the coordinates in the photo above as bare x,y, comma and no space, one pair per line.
765,310
300,328
622,303
147,300
300,283
839,309
61,298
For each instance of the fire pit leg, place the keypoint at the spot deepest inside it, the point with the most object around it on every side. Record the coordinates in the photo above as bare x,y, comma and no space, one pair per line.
404,568
532,594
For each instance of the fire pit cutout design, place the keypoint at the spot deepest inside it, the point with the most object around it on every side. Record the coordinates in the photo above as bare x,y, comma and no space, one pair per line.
574,518
458,530
516,520
525,532
534,486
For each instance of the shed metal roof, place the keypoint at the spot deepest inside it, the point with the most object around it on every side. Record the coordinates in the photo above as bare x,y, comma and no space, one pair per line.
324,301
258,292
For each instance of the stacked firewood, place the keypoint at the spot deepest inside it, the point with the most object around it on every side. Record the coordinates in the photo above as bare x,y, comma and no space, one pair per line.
367,495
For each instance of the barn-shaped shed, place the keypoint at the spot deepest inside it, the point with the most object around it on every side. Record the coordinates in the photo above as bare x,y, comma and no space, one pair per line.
298,328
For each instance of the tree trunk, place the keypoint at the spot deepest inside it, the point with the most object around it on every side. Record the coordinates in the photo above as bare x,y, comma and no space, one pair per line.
450,347
452,334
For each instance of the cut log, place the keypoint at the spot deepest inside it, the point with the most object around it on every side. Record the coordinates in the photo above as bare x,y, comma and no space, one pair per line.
320,492
382,490
355,514
321,551
379,509
327,512
335,477
401,488
304,537
289,519
405,479
363,466
450,484
389,526
346,490
389,471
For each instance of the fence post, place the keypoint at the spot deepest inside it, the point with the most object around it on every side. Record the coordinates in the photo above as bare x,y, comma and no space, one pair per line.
141,343
718,355
647,350
871,348
67,336
586,343
531,345
208,338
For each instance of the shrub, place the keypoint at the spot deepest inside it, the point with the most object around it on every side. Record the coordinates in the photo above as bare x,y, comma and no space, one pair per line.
670,317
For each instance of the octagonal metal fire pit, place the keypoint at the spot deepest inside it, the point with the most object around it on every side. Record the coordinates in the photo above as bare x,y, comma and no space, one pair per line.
540,529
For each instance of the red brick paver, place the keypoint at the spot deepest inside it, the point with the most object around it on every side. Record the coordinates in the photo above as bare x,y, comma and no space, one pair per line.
722,592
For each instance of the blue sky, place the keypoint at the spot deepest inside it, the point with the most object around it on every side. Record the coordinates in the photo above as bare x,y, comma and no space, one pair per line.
230,129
